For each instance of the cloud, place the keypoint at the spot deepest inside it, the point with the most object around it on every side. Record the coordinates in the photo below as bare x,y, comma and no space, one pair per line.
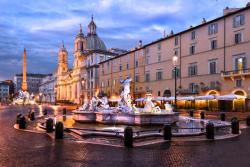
40,26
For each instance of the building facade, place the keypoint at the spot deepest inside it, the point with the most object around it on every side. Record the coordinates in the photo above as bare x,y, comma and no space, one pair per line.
213,58
82,81
4,92
47,92
33,82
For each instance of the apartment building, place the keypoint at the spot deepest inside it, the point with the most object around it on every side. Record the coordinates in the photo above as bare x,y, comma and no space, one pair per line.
212,59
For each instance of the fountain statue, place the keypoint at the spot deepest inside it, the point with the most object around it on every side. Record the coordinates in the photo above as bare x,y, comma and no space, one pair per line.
150,106
93,103
168,107
104,103
124,104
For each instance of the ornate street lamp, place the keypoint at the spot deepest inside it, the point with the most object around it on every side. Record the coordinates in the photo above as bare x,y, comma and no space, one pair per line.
175,59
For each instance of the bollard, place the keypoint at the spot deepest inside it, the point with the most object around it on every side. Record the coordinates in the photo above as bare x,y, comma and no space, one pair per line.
18,118
64,111
202,115
59,130
210,131
235,126
191,113
128,137
167,132
22,123
32,116
45,112
223,117
248,121
49,125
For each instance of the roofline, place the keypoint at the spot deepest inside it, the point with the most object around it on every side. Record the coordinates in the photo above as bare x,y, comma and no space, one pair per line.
181,32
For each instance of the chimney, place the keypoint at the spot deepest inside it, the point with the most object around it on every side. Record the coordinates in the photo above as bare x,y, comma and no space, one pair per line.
171,33
203,21
140,44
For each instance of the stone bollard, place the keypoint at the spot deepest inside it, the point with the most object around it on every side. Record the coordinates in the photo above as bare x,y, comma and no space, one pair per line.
128,137
32,116
18,118
22,122
59,130
235,126
191,113
49,125
223,117
248,121
64,111
202,115
45,112
210,131
167,132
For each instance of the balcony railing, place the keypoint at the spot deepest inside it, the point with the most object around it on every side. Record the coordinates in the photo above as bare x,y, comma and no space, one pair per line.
236,73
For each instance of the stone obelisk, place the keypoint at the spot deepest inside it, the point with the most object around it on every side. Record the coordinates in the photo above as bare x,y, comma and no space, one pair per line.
24,82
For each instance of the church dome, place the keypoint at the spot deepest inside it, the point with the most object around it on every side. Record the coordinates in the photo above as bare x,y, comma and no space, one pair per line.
95,43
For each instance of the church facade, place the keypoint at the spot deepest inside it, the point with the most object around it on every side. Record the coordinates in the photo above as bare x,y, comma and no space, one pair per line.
82,81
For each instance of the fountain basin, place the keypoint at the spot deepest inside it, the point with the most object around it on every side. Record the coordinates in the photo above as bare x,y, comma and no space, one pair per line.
126,118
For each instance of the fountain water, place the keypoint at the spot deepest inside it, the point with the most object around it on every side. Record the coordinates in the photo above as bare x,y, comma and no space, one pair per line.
24,98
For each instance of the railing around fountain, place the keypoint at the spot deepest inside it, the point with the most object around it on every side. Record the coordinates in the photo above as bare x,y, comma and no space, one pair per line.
138,133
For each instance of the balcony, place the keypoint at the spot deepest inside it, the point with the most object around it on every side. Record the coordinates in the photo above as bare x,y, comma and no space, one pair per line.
236,73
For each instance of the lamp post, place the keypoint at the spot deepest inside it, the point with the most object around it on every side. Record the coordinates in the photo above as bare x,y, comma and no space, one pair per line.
175,59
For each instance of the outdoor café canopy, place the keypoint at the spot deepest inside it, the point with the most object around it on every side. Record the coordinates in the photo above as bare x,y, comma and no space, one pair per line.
230,97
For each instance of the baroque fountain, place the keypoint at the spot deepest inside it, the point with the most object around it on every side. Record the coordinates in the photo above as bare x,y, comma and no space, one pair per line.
98,110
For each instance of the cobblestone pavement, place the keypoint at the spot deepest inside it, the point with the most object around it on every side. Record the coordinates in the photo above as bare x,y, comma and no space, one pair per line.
29,149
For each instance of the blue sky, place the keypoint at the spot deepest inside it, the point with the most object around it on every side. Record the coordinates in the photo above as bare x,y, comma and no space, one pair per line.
41,25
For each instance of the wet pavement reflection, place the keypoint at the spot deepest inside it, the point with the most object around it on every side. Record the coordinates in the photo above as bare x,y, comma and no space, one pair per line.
19,148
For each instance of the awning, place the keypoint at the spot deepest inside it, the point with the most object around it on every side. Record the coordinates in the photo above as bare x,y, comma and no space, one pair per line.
230,97
207,97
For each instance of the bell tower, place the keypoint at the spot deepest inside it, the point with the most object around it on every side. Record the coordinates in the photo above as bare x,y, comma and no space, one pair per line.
80,45
62,60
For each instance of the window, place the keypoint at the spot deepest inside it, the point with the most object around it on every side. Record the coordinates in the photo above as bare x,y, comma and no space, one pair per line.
159,75
192,49
212,67
238,38
193,35
136,63
240,63
120,67
176,41
114,82
192,69
102,84
147,77
238,83
176,52
213,44
159,46
108,82
147,59
192,87
177,73
137,78
238,20
159,93
127,66
147,51
212,29
159,57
